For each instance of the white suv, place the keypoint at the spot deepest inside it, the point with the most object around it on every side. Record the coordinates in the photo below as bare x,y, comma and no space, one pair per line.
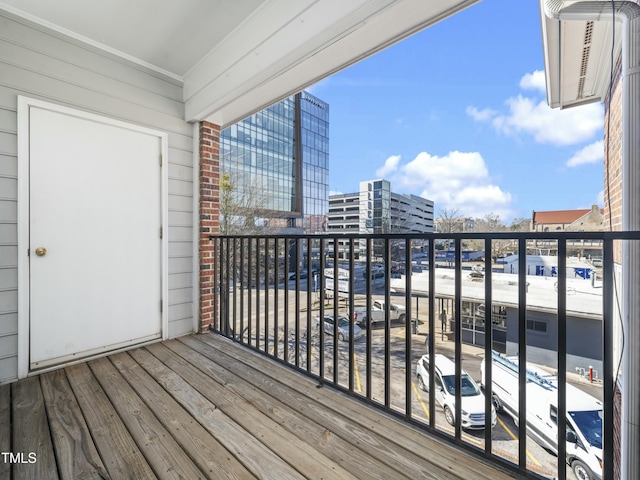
445,382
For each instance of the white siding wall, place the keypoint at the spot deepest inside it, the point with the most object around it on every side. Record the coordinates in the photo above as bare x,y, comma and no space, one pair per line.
46,66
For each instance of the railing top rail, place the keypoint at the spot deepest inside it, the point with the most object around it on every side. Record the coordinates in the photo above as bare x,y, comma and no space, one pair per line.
618,235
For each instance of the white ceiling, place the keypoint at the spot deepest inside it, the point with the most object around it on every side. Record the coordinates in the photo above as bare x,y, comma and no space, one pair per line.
171,35
235,57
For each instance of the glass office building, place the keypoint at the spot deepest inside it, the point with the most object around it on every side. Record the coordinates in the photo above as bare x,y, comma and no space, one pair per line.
278,159
314,145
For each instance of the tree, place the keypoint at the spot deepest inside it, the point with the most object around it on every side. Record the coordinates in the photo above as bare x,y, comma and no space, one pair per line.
449,221
492,222
520,224
244,211
243,208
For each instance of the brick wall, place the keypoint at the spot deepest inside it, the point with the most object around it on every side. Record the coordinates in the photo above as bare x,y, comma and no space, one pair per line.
613,214
209,152
613,157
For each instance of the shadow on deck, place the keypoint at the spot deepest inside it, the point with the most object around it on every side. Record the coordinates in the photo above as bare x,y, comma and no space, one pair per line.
204,407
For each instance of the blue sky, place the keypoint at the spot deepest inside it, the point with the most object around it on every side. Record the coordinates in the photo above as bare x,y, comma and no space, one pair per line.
458,114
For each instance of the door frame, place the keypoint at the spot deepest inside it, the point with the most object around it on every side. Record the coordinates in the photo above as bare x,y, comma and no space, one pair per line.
24,300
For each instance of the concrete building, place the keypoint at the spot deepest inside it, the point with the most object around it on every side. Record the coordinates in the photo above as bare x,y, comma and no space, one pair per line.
584,314
547,266
376,209
586,220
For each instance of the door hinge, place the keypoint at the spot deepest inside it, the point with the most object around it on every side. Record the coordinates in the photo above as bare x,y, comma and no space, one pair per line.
160,306
160,160
160,232
28,252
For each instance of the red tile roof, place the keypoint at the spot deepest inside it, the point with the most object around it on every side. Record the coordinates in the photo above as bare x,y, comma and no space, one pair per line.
558,216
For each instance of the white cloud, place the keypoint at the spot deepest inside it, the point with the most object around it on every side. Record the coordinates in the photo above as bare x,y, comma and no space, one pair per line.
390,165
480,115
530,115
459,180
558,127
593,153
534,81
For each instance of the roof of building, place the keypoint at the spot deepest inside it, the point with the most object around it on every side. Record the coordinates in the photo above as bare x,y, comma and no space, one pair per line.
559,216
583,299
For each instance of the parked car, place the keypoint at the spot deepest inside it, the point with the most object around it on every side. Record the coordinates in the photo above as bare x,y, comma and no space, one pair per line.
376,272
303,275
445,381
343,327
396,312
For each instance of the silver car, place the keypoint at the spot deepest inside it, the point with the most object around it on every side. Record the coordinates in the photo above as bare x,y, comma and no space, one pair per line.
343,327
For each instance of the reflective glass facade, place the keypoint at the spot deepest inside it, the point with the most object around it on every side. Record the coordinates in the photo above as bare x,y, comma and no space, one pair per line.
280,157
314,133
258,153
375,200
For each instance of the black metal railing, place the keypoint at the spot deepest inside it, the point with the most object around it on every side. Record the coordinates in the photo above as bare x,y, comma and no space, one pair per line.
273,293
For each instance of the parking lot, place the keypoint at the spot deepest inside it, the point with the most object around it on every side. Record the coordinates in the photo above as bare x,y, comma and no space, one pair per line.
333,365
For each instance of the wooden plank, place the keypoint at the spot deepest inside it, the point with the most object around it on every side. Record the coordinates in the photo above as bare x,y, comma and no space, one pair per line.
320,453
162,452
76,454
261,462
387,438
209,454
31,432
121,456
5,428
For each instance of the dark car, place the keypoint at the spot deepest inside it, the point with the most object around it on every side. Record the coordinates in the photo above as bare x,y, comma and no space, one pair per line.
303,275
375,273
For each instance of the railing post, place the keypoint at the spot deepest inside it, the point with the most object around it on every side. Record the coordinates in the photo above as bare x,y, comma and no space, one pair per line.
609,380
522,353
458,336
432,331
287,266
387,325
242,288
368,312
562,358
488,347
350,315
408,325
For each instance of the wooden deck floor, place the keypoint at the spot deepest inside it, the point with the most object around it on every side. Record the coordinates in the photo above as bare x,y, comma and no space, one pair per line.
203,407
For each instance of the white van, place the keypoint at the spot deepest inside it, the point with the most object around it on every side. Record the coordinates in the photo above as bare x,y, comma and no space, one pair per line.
445,381
584,413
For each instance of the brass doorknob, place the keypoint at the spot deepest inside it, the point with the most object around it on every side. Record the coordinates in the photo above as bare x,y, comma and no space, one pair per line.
41,251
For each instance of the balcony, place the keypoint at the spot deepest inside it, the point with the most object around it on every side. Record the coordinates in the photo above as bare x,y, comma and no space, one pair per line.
232,403
558,319
204,407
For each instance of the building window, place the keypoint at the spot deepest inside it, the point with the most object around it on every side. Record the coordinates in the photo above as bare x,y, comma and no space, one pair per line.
537,326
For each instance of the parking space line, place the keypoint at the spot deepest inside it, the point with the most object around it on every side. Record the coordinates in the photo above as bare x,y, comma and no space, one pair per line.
357,373
516,439
273,348
419,397
399,333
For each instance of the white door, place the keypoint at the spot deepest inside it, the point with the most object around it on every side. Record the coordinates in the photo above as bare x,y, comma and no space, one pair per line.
95,206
